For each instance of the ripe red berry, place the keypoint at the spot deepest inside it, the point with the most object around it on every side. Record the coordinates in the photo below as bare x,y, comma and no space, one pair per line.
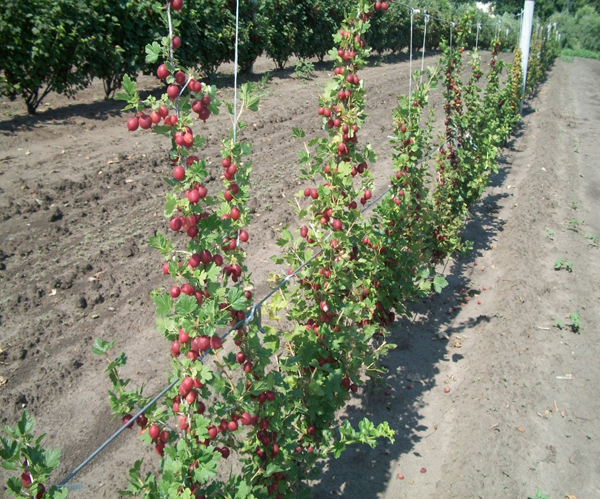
127,421
195,86
179,173
145,121
162,72
175,291
155,117
216,342
154,431
183,337
173,91
190,398
40,492
180,77
203,343
212,432
162,111
25,479
243,236
133,123
204,113
176,4
193,196
141,421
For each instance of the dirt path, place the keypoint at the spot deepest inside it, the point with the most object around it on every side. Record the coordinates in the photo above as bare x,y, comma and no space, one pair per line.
79,198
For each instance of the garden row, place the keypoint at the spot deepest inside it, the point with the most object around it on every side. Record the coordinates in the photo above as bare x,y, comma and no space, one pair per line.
60,46
268,397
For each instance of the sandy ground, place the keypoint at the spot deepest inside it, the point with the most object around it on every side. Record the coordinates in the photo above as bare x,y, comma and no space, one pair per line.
79,198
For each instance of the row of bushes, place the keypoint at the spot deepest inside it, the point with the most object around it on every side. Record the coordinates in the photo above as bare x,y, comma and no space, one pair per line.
61,45
269,401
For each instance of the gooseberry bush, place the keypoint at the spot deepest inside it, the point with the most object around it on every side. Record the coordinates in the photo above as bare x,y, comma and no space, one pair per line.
24,454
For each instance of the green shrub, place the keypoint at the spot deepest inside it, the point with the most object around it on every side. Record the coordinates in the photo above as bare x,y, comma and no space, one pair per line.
42,49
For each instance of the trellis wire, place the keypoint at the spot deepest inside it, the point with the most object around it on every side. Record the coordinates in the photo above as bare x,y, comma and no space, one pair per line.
410,51
255,310
235,69
440,19
423,54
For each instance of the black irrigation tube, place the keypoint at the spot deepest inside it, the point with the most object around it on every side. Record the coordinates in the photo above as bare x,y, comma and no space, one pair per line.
247,320
116,434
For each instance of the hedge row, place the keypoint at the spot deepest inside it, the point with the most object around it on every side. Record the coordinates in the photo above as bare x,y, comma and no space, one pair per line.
61,45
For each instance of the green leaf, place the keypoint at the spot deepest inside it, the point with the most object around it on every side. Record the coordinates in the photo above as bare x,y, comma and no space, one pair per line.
242,490
163,303
207,466
272,469
303,156
170,205
297,133
14,485
55,493
439,283
237,299
186,305
52,458
161,243
101,347
128,85
26,423
252,103
153,52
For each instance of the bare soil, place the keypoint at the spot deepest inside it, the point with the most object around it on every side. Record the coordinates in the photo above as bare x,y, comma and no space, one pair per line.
80,197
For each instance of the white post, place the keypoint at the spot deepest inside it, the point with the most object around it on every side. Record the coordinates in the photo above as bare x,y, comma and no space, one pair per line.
526,40
520,26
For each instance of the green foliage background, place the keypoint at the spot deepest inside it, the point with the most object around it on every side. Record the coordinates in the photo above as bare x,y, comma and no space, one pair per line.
61,45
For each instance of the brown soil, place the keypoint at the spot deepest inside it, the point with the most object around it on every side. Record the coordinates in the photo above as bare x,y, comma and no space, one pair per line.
79,198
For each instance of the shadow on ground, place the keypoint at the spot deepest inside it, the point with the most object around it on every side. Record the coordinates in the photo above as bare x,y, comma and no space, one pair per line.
413,365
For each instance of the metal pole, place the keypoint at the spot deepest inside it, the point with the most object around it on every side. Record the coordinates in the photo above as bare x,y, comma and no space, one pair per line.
526,40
